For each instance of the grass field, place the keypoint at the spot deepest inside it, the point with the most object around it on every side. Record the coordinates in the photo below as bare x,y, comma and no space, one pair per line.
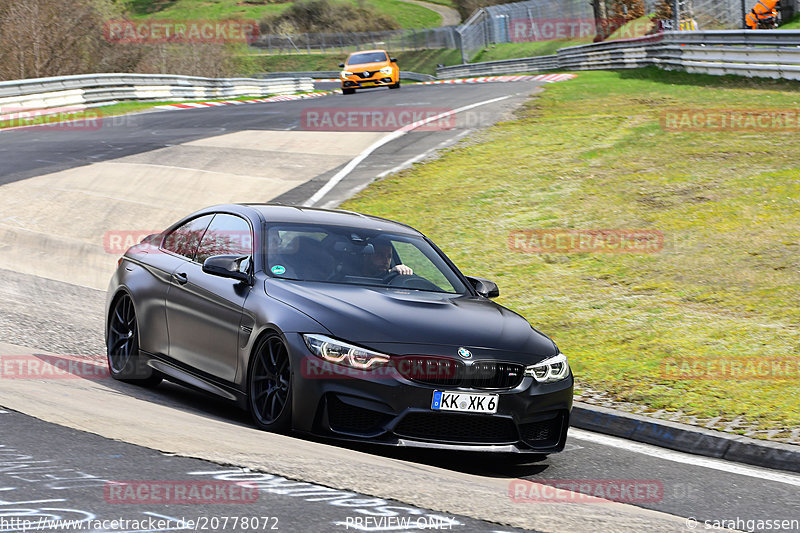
407,15
515,50
793,24
591,153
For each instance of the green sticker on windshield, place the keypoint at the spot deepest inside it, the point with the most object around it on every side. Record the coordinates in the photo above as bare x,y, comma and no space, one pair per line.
278,269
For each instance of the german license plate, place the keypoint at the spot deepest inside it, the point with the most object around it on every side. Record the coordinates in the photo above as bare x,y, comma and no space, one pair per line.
467,403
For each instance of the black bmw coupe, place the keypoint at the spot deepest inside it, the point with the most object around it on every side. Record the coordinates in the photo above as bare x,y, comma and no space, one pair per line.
336,324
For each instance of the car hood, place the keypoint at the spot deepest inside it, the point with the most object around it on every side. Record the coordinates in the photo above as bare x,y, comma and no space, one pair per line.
361,67
399,320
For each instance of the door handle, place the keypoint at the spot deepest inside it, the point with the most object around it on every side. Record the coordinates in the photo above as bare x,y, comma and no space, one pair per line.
180,277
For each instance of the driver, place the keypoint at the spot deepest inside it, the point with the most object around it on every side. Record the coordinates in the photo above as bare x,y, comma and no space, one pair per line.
378,264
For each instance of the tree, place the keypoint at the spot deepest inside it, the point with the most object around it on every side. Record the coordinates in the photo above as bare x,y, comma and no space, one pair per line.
664,10
627,10
58,37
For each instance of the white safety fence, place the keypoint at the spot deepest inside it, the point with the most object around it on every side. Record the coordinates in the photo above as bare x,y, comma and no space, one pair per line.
79,92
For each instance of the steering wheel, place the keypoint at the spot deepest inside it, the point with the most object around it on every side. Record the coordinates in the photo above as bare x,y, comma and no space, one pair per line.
389,276
413,281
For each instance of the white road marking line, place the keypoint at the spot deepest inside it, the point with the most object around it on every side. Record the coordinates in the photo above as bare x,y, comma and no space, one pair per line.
339,176
686,458
423,155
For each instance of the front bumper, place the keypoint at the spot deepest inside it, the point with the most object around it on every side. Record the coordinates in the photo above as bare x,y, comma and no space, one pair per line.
357,82
392,410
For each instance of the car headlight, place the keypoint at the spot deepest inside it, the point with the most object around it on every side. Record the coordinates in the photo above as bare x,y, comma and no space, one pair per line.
346,74
550,370
386,70
339,352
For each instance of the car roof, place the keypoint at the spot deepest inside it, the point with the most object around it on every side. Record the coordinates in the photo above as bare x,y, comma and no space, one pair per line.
333,217
368,51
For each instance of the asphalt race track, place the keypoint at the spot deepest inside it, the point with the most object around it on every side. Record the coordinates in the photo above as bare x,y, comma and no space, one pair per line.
69,199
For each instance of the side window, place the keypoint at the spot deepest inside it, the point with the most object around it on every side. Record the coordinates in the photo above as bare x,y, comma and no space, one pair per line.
227,235
184,239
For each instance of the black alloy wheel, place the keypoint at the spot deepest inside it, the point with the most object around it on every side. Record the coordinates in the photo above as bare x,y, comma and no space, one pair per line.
270,385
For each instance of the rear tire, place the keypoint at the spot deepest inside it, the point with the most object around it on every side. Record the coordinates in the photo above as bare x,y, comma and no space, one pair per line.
348,91
122,346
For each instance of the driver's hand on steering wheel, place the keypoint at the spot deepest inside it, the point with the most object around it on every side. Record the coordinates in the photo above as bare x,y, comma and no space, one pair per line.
403,270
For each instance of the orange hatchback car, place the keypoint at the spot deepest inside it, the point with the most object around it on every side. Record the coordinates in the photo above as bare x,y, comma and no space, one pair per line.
369,68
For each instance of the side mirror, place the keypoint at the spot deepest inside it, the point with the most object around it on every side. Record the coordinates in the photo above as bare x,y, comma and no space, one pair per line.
227,266
393,60
484,287
341,65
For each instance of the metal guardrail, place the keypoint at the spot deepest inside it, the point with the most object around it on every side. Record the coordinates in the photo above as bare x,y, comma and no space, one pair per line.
98,89
751,53
328,74
505,66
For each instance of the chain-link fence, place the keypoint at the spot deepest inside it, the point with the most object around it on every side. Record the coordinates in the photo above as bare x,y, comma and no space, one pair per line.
722,14
520,21
393,40
543,20
532,20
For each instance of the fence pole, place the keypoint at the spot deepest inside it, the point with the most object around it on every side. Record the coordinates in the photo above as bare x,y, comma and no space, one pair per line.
744,14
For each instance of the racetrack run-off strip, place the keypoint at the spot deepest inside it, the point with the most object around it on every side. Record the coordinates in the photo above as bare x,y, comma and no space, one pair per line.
279,98
547,78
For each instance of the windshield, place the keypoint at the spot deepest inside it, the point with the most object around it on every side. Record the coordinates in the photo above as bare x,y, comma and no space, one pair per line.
355,256
366,57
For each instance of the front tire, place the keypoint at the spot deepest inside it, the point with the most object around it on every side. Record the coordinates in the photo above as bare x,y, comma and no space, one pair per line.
348,91
395,85
122,346
269,386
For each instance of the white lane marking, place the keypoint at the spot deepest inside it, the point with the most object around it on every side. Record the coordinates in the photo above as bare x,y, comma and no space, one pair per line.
686,458
339,176
423,155
355,190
